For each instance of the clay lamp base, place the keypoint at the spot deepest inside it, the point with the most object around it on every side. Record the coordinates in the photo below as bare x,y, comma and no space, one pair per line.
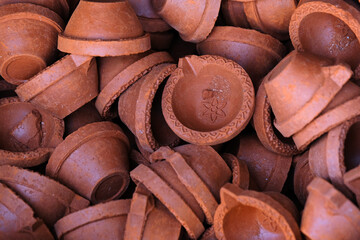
49,199
132,70
352,181
17,218
334,27
103,148
208,100
263,52
240,171
23,53
302,177
245,214
114,31
328,214
28,135
102,221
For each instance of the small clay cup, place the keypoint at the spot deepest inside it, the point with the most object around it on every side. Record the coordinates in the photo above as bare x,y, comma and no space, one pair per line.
208,100
303,175
328,214
23,53
352,181
103,148
113,31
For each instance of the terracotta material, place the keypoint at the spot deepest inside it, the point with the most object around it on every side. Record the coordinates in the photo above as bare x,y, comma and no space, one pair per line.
49,199
113,31
209,234
102,221
328,28
268,169
269,16
23,53
328,214
257,53
245,214
298,94
194,20
103,148
18,217
145,118
128,72
138,157
240,171
352,181
63,87
27,135
302,177
208,100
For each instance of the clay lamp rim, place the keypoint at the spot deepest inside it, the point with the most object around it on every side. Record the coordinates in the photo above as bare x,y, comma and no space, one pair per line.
240,172
125,79
223,134
101,211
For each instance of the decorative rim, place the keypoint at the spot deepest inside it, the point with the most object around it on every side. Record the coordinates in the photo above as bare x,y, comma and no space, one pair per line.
240,171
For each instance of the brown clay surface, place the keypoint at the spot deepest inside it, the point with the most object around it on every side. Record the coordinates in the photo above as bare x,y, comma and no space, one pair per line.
240,171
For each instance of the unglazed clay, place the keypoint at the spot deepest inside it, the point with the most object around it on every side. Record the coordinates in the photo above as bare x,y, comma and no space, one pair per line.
240,171
352,181
302,177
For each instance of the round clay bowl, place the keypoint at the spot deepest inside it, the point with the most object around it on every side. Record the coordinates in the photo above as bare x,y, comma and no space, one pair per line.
256,52
303,175
103,148
102,221
23,53
328,214
208,100
352,181
240,171
113,31
329,29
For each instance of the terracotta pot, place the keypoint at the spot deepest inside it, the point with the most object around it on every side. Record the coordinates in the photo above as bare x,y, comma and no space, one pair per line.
49,199
352,181
209,234
28,135
113,31
102,221
263,52
18,217
161,41
23,53
268,169
269,16
328,214
55,88
194,20
302,177
245,214
103,148
128,71
208,100
300,87
333,25
240,171
145,118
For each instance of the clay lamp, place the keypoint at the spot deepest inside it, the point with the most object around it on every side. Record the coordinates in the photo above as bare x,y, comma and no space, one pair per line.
113,31
269,16
300,87
49,199
328,28
240,171
27,135
303,175
102,221
63,87
119,73
245,214
145,118
352,181
17,218
23,53
103,148
328,214
256,52
194,20
208,100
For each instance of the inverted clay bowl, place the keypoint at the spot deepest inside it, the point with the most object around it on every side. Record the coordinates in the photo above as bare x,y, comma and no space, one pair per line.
194,20
256,52
352,181
328,214
300,87
102,221
245,214
303,175
328,28
113,31
49,199
64,86
103,148
208,100
29,36
28,135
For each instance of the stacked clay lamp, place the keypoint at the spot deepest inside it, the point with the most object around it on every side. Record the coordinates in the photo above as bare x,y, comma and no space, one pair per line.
180,119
